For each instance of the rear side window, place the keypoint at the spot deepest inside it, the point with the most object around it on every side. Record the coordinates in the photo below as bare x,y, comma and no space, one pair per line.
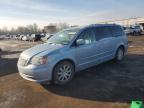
102,32
116,31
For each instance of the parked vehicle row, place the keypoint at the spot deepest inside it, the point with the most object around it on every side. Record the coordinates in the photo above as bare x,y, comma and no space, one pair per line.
133,30
33,37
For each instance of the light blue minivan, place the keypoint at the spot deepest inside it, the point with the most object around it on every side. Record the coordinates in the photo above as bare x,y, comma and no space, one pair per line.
72,50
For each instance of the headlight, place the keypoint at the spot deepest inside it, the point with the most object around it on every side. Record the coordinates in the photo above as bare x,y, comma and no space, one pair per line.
39,60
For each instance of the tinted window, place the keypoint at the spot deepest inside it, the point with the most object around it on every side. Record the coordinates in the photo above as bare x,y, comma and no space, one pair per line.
116,31
88,36
102,32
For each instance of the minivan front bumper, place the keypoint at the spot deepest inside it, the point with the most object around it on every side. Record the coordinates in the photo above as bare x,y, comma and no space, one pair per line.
35,74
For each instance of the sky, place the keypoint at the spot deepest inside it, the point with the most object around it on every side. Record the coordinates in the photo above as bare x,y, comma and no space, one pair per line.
15,13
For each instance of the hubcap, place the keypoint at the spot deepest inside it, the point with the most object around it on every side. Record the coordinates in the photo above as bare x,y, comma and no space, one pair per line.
120,54
64,73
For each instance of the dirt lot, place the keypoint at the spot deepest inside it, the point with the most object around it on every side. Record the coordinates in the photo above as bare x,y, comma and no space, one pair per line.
109,85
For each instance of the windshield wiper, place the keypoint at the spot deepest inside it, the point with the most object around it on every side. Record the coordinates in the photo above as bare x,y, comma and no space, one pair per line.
64,42
52,43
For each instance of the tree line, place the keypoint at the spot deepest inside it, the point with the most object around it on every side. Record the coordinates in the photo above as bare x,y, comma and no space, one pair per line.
31,29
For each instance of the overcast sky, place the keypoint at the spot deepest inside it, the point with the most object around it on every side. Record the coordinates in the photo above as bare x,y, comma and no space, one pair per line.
15,13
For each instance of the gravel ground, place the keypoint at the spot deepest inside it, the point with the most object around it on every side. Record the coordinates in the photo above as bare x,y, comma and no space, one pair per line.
109,85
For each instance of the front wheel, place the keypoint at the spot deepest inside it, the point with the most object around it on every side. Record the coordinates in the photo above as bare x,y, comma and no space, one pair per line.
63,73
119,54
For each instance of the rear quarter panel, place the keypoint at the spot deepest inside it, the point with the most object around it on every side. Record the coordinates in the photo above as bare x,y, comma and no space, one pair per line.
122,40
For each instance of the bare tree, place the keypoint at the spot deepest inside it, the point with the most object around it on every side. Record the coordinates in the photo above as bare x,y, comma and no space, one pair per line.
31,29
61,26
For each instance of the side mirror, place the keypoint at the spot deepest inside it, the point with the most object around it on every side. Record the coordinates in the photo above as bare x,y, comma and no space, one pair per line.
80,42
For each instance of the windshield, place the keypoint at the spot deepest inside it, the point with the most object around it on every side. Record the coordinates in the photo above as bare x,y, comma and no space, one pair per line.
63,37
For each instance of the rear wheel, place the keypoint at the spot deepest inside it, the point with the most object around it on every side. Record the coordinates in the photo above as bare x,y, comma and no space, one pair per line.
119,54
63,73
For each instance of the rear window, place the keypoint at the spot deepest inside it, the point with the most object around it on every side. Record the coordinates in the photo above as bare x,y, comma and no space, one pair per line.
102,32
116,31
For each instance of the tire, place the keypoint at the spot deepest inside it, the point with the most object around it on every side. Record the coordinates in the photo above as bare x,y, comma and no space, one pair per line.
119,54
63,73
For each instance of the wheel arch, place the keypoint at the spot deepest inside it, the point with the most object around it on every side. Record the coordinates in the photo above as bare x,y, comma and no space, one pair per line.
121,46
67,59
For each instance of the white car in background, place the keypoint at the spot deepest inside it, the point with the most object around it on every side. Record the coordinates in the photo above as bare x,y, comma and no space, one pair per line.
32,37
20,37
7,37
2,37
136,30
16,37
127,30
26,38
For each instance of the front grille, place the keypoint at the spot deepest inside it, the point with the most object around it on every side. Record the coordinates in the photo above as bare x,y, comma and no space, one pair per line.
22,61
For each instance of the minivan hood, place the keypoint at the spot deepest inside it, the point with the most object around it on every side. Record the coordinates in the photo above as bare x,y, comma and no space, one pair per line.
48,48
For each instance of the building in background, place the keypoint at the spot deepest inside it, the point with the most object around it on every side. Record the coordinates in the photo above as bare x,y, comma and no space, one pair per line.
49,29
127,22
